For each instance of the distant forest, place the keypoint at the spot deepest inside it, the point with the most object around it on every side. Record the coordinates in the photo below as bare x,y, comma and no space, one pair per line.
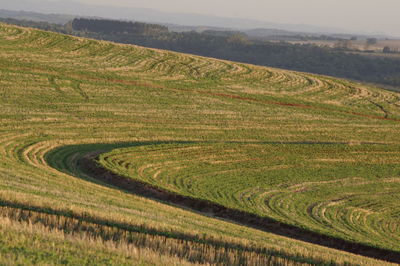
235,46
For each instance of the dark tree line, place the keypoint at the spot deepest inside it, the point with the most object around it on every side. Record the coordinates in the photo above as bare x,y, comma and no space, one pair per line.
104,26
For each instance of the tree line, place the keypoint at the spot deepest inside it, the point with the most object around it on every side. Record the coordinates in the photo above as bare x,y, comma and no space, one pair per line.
104,26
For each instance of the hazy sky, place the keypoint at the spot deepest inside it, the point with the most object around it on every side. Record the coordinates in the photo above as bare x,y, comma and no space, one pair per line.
367,15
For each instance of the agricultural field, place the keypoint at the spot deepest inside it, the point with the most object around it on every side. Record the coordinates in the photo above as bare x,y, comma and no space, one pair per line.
360,47
85,123
358,44
344,191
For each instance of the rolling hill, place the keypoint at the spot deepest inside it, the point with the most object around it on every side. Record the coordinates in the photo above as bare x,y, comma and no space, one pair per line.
146,156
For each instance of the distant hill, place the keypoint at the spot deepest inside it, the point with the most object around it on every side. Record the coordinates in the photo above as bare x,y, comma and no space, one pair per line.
155,16
60,12
35,16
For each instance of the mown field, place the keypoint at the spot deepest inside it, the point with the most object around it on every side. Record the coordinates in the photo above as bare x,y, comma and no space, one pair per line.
346,191
309,151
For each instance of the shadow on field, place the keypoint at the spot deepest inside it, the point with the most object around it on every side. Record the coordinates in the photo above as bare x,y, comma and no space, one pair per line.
79,161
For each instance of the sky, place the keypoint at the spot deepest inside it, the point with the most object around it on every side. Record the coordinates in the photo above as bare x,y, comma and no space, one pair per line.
364,15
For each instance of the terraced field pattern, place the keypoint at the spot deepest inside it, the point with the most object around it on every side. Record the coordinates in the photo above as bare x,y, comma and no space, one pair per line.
146,156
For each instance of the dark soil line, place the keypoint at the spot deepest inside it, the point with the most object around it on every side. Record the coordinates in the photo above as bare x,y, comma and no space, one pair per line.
91,167
380,107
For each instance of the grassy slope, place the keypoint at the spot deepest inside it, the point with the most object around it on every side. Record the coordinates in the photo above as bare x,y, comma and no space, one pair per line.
23,244
57,90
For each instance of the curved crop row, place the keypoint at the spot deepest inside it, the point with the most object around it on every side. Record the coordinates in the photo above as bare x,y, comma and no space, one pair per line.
347,191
